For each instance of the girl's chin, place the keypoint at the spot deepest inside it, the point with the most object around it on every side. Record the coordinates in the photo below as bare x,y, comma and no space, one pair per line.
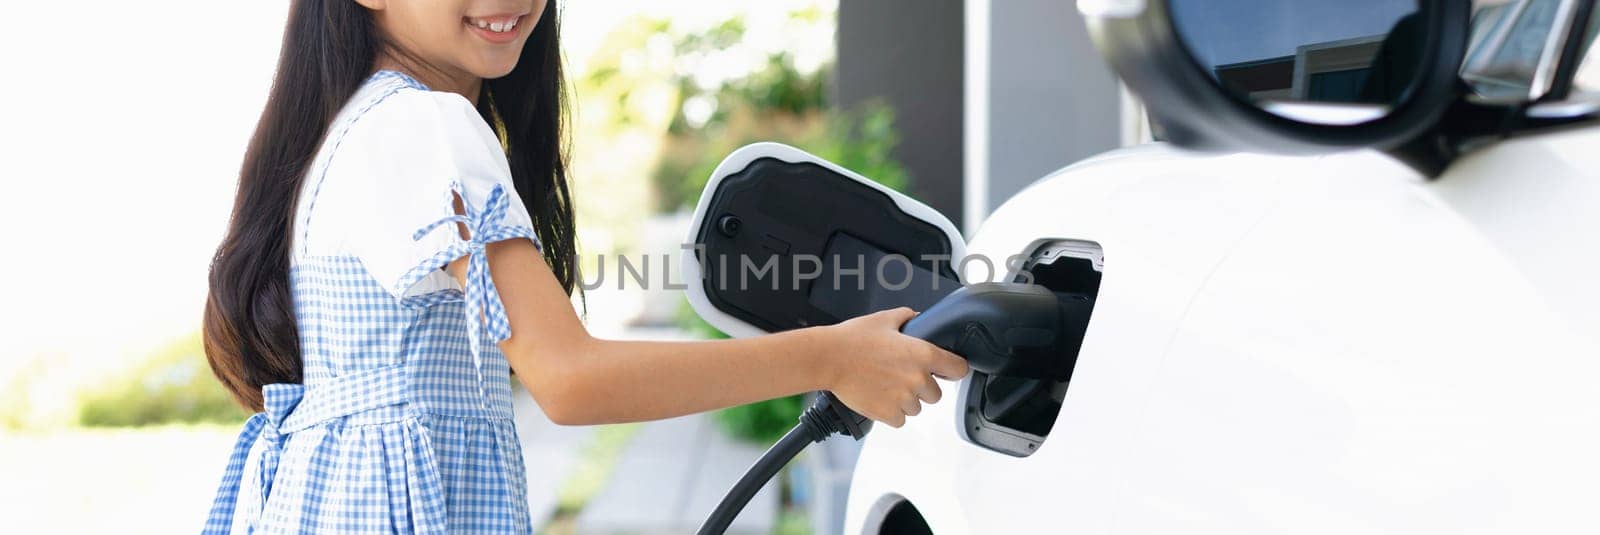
495,69
492,61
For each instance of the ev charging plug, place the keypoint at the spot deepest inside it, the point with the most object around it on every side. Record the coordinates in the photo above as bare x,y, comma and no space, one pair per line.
1001,328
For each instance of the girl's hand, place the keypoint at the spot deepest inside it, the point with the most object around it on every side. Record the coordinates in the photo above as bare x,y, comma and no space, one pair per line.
883,374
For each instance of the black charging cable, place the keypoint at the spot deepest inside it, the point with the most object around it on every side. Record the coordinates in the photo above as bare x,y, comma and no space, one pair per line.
825,417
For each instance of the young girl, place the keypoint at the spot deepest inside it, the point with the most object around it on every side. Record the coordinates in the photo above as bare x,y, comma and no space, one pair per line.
402,241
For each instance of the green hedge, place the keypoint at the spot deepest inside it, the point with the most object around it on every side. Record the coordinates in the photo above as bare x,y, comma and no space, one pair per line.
172,385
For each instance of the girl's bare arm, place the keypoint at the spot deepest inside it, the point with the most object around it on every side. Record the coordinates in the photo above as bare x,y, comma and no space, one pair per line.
579,379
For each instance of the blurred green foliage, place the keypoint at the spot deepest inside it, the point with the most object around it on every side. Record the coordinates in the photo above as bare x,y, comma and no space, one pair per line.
775,103
793,521
861,140
779,103
762,422
172,385
17,395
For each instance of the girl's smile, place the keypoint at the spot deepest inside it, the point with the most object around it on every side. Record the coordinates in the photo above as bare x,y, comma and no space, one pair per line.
498,29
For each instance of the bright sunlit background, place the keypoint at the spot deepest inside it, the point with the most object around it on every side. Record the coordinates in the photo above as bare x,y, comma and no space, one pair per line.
123,131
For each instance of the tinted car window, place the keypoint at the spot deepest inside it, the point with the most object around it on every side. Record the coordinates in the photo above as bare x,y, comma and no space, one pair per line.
1304,50
1587,78
1509,43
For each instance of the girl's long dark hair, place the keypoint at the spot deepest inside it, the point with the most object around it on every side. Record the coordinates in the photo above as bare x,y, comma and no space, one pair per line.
329,49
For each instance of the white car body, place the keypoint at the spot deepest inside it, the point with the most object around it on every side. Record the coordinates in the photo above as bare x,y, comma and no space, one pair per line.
1312,344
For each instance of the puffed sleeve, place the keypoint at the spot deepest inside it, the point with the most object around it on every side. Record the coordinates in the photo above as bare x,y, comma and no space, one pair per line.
417,151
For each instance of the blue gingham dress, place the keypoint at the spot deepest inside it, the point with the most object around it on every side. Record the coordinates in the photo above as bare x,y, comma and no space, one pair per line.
403,423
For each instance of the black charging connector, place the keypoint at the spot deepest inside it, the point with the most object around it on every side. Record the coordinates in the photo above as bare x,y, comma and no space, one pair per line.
1001,328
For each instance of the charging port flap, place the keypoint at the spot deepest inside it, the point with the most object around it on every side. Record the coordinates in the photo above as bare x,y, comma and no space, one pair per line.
1013,414
783,239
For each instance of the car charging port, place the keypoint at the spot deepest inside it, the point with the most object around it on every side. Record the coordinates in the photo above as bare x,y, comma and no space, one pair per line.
1013,413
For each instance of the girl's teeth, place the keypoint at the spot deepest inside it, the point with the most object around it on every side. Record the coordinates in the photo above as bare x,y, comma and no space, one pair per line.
497,27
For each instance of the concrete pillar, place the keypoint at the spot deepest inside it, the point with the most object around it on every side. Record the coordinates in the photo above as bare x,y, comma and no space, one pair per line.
908,54
1038,97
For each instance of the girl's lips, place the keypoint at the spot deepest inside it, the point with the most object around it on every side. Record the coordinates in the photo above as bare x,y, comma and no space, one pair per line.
484,27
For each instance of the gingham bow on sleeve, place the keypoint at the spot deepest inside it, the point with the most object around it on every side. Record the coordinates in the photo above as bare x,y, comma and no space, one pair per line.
484,226
279,400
